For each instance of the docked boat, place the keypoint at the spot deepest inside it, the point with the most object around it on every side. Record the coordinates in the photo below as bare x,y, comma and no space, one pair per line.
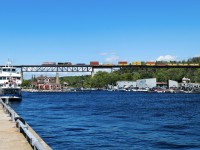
10,82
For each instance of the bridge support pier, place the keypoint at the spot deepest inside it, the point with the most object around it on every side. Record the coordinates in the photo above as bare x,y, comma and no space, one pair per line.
111,70
57,78
92,72
22,76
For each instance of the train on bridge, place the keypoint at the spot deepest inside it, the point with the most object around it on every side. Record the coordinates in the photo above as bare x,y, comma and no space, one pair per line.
124,63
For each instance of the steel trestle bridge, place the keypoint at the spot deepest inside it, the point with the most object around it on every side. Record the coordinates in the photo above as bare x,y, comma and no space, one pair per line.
86,68
89,68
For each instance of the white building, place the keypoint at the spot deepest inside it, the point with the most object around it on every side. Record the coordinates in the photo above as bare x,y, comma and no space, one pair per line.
186,83
146,83
126,84
172,84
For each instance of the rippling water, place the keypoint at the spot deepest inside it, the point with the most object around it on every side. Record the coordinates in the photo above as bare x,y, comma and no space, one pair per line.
113,120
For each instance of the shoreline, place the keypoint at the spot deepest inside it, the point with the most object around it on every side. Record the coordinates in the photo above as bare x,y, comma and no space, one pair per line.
112,90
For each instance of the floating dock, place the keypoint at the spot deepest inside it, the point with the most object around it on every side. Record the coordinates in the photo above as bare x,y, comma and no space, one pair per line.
15,133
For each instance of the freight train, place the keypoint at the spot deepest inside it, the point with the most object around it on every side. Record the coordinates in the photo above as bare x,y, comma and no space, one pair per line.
125,63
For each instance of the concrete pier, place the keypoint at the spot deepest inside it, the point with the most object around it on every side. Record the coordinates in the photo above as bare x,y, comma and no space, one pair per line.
15,133
10,137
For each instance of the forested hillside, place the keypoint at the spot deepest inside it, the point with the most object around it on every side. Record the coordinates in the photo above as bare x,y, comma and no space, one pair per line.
102,79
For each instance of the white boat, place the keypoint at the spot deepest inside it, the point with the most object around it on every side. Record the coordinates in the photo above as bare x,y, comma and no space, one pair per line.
10,82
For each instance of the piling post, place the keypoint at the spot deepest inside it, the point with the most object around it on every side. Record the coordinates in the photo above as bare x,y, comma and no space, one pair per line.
7,100
13,116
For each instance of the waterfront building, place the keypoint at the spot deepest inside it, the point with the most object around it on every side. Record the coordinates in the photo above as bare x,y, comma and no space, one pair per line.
46,83
185,80
187,84
141,83
149,84
125,84
173,84
146,83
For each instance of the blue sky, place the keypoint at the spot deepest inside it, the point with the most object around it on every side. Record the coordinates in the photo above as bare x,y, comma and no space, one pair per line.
35,31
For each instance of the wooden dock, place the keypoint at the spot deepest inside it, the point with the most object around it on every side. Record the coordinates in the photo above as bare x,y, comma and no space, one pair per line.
10,137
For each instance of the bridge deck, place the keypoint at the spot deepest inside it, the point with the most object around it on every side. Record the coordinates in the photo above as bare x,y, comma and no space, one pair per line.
10,137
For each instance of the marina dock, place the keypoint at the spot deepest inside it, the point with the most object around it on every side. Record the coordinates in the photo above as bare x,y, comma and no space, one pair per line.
16,134
10,136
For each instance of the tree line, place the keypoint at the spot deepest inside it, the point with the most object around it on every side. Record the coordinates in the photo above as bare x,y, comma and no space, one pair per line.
102,79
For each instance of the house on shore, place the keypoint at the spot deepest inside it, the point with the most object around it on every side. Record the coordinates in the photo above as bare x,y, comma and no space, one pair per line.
46,83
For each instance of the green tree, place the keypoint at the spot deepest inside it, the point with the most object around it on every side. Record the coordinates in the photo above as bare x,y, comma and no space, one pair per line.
26,83
136,76
197,76
100,79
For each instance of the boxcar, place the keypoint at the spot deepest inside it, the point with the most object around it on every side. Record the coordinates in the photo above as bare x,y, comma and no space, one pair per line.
94,63
136,63
150,63
122,63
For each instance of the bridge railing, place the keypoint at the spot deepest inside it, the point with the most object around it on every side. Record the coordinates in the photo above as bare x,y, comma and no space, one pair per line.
23,127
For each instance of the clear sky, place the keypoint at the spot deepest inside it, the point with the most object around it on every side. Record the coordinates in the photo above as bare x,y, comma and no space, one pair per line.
35,31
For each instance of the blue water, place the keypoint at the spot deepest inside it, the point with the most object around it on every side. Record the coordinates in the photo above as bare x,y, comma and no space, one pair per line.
101,120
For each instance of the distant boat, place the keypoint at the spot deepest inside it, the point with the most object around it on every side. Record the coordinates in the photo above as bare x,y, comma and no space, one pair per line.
142,90
10,82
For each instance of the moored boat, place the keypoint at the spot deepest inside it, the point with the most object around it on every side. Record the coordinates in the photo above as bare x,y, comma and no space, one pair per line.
10,82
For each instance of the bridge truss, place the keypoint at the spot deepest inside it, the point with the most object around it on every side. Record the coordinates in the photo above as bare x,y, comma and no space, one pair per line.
56,68
88,68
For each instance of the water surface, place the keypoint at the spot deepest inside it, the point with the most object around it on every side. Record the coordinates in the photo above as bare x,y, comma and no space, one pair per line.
113,120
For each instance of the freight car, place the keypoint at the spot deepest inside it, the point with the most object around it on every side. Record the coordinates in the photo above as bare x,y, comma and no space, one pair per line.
94,63
150,63
172,64
80,64
182,64
136,63
48,63
122,63
64,63
194,64
161,63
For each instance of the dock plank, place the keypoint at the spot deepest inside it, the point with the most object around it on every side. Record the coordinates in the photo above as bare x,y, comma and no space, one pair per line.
10,137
